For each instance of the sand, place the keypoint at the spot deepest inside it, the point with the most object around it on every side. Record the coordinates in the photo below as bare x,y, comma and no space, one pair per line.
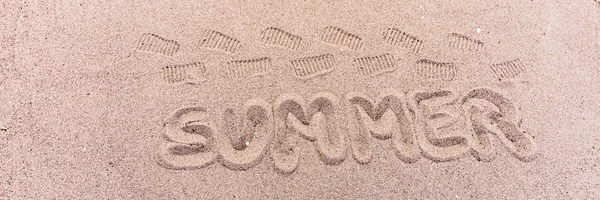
299,100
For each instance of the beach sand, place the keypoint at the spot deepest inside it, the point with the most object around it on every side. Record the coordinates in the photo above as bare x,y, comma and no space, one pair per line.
300,100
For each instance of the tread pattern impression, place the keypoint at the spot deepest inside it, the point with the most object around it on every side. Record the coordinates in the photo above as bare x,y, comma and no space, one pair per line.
338,36
429,69
187,73
238,69
211,39
151,42
402,39
313,66
375,65
508,69
460,41
278,37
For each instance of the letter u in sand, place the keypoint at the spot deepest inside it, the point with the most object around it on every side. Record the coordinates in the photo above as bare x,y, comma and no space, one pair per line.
243,142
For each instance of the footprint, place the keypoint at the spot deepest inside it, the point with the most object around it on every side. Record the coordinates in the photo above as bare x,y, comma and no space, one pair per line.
399,38
150,42
375,65
463,42
508,69
310,67
387,118
189,140
239,69
191,73
215,40
432,70
277,37
242,143
428,108
501,123
337,36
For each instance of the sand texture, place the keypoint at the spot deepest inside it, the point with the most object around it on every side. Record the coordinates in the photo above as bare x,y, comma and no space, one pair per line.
300,99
